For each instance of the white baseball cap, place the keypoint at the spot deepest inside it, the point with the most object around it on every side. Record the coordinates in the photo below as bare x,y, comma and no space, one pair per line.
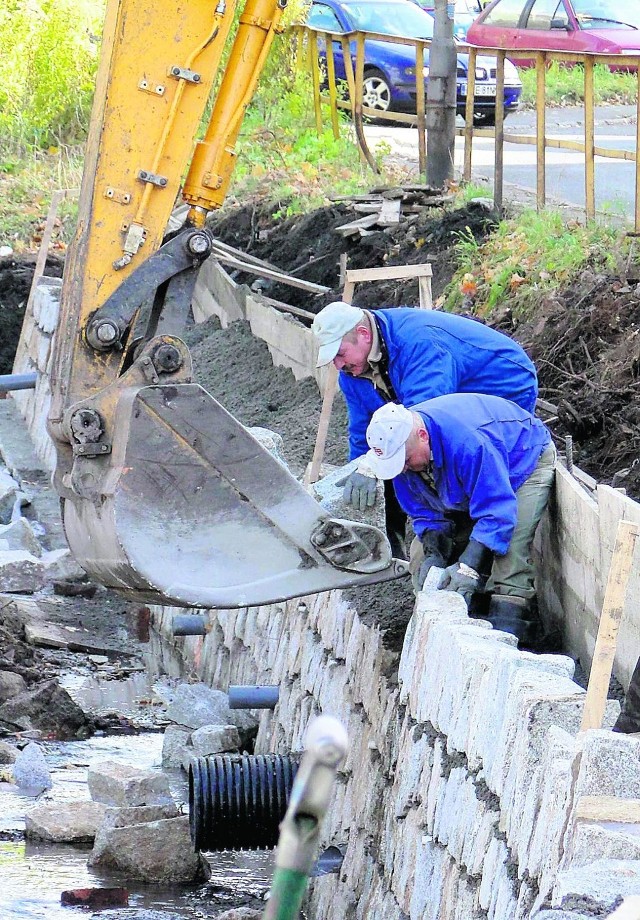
330,325
387,434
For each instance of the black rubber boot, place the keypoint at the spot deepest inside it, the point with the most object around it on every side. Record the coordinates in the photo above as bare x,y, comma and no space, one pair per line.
515,615
629,719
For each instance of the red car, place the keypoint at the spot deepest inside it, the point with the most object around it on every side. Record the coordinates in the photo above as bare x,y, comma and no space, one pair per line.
603,26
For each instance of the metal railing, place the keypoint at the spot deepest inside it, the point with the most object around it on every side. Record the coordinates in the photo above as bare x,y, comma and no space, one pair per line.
311,42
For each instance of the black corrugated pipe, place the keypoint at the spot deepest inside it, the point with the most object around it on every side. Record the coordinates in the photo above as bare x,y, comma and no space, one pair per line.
10,382
237,801
247,696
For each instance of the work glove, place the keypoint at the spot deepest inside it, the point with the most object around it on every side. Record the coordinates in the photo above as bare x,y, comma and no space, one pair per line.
470,573
437,548
360,490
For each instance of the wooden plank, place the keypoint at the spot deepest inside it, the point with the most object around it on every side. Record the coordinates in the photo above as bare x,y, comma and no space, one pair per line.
354,226
606,641
390,212
421,270
313,472
607,808
424,291
287,307
56,200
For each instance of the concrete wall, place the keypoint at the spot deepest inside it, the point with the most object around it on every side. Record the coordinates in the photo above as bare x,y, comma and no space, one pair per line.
462,790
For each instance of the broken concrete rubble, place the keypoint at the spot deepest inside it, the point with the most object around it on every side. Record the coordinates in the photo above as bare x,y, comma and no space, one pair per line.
69,822
124,785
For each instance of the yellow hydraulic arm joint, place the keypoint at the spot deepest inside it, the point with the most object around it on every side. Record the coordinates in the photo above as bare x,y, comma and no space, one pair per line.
206,185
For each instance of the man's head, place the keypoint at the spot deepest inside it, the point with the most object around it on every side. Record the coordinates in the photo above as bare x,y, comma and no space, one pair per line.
399,441
344,335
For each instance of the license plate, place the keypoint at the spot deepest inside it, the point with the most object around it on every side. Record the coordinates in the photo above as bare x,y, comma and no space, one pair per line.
482,89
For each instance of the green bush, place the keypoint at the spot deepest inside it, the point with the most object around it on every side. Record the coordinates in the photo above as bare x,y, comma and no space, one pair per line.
48,60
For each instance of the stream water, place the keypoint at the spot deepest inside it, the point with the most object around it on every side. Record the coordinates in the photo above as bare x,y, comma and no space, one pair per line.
33,874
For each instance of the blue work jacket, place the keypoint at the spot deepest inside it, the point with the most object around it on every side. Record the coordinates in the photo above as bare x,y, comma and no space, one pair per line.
431,353
483,448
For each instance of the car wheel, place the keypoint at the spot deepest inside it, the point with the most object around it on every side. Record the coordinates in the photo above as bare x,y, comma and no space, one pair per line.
484,119
376,91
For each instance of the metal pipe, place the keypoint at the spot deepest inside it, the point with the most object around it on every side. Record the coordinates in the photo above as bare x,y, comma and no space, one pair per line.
10,382
253,697
188,624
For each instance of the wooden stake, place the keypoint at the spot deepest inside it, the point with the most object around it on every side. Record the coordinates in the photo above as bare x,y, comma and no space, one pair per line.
612,609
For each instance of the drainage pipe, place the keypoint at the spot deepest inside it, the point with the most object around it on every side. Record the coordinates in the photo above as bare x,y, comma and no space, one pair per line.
188,624
253,697
326,746
10,382
237,801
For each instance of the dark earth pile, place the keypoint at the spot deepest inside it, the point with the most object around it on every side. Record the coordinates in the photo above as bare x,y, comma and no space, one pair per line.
16,274
584,339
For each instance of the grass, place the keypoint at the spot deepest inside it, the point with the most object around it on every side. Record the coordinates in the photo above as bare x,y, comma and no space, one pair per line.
565,86
25,196
527,256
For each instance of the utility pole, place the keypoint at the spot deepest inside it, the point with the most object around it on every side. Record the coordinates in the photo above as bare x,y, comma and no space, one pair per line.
441,97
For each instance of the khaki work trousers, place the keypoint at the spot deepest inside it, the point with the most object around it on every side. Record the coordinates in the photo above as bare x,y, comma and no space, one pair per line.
512,574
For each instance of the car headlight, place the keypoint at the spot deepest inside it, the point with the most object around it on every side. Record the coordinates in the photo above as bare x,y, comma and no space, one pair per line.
511,74
481,73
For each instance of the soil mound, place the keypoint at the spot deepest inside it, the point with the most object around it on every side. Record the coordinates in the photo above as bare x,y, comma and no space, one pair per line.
310,247
586,344
16,274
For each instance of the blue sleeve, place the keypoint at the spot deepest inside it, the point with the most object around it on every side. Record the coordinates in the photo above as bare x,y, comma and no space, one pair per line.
362,401
425,371
423,516
493,506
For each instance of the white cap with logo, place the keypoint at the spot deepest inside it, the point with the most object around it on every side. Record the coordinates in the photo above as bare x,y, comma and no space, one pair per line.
387,434
330,325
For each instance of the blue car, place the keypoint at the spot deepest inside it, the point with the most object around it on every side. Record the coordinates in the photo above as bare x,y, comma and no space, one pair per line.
389,69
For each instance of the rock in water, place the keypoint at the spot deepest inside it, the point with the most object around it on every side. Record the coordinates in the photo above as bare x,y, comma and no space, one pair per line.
30,771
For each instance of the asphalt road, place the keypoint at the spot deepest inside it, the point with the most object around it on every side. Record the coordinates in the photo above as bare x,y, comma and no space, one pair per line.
614,179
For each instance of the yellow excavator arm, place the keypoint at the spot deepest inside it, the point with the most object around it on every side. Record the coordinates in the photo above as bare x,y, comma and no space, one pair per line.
165,495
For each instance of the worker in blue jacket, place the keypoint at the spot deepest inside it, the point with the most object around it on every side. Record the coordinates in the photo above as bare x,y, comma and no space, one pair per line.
474,473
407,355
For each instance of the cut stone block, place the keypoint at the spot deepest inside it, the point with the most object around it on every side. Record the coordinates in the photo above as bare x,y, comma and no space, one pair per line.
215,739
195,705
589,842
20,572
120,784
328,492
51,635
70,822
125,817
158,852
19,535
598,887
608,763
175,745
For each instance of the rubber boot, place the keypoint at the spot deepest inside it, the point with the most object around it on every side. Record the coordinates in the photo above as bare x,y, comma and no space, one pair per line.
515,615
629,719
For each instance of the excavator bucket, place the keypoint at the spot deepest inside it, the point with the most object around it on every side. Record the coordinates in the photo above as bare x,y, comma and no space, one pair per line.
194,511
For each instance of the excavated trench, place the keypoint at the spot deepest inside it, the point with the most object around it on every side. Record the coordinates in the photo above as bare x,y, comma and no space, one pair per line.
597,344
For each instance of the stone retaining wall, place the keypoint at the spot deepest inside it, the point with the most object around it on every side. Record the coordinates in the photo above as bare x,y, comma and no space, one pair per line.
463,788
